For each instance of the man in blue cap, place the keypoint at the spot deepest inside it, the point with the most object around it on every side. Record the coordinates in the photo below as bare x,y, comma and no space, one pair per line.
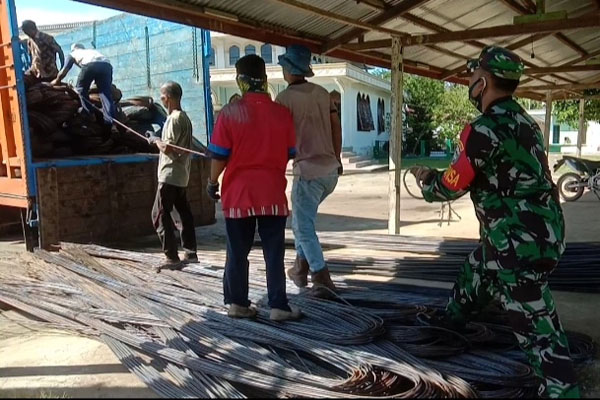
316,166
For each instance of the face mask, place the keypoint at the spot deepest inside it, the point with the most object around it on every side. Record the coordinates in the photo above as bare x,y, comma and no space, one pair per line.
477,101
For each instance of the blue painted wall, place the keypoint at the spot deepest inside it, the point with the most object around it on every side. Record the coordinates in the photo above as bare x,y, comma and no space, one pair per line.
175,53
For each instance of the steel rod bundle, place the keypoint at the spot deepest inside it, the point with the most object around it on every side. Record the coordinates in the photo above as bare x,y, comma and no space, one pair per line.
578,270
368,343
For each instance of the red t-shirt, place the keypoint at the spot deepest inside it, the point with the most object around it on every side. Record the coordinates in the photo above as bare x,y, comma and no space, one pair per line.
256,136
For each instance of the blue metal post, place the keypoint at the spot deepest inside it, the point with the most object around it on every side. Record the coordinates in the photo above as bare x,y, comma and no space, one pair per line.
208,107
148,72
19,73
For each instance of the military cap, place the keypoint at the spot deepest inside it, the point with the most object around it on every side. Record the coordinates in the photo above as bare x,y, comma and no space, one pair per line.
499,61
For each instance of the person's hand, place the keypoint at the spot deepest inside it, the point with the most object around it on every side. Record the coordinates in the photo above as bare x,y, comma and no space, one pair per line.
212,188
420,173
55,82
162,146
341,167
151,138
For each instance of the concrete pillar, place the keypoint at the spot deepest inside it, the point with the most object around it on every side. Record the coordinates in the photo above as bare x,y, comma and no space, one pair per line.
395,174
220,58
344,110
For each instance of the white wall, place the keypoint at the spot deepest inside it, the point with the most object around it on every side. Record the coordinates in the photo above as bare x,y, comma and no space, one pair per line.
361,142
592,137
221,44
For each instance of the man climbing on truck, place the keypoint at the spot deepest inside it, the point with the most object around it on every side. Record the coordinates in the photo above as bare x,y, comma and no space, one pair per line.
43,50
95,67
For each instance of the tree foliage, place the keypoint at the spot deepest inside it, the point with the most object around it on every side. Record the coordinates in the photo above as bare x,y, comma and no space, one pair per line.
437,111
381,73
530,104
453,113
567,111
423,97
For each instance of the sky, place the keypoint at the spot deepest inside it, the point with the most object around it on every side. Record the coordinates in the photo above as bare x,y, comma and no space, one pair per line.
48,12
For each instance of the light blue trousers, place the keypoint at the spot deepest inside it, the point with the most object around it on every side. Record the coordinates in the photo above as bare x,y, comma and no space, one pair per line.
307,195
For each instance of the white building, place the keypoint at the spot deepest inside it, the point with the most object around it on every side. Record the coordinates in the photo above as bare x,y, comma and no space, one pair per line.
347,82
564,136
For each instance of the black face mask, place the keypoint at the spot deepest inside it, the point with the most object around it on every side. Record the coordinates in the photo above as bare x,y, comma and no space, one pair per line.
477,101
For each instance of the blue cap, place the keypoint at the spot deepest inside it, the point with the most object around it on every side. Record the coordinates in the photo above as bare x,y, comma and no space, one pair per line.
296,60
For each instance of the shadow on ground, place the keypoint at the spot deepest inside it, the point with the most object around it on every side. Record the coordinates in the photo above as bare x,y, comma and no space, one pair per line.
581,218
342,223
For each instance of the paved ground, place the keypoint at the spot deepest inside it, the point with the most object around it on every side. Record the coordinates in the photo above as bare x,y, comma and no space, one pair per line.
54,364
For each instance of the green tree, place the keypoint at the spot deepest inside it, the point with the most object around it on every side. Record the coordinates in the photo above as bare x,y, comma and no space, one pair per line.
423,97
530,104
453,113
567,111
382,73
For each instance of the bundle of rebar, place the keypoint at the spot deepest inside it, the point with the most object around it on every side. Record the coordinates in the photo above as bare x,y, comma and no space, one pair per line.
171,330
440,260
60,129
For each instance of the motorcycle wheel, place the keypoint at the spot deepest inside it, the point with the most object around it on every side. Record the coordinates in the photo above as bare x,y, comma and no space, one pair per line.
567,193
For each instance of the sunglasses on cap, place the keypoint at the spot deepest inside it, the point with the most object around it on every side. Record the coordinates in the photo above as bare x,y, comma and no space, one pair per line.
473,64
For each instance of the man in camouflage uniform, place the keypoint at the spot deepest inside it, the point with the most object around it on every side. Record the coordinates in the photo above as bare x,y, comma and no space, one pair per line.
43,50
500,159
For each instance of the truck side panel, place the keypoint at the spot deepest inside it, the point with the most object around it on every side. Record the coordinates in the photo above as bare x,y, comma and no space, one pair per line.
109,202
14,148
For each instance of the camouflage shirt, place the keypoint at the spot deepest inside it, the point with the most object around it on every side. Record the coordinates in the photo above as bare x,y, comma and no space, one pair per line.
43,49
500,160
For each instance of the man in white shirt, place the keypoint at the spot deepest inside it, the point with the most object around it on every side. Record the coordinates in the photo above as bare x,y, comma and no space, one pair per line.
95,67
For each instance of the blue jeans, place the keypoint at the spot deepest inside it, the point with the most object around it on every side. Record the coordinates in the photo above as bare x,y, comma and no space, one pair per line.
240,238
102,74
307,195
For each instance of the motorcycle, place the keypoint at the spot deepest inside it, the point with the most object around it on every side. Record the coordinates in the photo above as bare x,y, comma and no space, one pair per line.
572,184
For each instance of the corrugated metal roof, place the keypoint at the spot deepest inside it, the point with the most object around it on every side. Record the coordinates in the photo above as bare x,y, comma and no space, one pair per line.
280,23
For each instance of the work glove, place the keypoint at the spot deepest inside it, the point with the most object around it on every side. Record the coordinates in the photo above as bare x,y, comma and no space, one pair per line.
421,174
152,139
213,190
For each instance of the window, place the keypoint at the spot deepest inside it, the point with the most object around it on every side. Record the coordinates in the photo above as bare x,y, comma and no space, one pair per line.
266,52
364,116
250,49
234,55
211,57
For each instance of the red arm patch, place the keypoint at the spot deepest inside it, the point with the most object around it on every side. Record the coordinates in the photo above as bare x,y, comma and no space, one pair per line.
460,174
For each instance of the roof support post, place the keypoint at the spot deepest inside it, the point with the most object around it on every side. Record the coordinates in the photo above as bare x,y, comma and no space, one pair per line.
582,126
548,122
395,157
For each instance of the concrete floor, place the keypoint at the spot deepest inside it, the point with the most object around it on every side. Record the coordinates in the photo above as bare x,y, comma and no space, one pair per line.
54,364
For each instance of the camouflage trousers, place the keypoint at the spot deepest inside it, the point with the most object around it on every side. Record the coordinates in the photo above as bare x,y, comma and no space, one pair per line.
525,295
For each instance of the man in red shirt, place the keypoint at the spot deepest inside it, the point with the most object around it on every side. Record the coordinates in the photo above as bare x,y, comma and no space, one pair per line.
253,140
